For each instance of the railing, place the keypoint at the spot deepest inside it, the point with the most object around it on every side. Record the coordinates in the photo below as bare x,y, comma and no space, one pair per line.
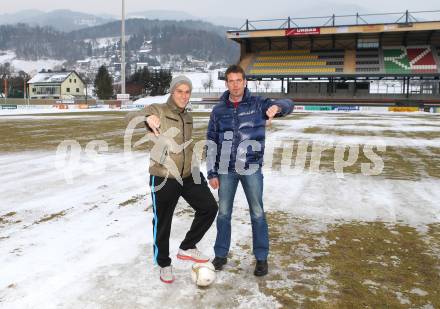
340,20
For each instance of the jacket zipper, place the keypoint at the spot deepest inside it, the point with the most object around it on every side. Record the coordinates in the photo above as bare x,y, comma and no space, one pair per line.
184,140
235,137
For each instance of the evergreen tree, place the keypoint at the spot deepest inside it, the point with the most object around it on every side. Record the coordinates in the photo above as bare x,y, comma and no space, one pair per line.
165,78
160,82
89,49
154,83
103,84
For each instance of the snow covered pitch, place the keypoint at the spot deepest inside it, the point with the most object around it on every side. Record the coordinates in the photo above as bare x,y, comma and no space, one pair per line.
78,233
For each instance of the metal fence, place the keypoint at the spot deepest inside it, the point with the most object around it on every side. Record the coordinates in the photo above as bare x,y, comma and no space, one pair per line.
340,20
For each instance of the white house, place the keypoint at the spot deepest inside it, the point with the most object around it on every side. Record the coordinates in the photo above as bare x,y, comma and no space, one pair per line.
56,85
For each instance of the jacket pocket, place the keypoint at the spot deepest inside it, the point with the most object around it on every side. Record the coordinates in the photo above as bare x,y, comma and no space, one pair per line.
171,118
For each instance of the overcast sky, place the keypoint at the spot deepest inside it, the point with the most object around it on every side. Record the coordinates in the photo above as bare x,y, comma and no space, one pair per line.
232,8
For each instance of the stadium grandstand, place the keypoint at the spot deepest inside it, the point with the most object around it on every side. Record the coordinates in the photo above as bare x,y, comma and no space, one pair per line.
341,57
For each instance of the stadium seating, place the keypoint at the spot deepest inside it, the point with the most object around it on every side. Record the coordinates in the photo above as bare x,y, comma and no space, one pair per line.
409,60
388,60
367,61
396,61
421,60
287,62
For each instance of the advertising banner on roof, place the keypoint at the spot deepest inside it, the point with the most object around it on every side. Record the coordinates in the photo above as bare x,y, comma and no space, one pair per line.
303,31
241,34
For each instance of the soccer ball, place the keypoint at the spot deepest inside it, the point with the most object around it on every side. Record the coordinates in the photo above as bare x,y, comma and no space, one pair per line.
203,274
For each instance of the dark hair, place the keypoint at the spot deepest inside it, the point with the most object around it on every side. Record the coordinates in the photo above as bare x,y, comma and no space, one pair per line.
234,69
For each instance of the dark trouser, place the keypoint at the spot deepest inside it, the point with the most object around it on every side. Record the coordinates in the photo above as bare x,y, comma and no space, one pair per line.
198,196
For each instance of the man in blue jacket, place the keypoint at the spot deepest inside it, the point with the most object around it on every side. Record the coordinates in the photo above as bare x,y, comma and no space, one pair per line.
236,134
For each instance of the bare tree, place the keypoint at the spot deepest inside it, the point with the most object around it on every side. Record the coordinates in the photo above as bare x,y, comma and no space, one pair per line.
267,84
208,83
6,69
205,85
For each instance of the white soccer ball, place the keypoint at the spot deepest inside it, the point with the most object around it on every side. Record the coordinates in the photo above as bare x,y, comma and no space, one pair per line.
203,274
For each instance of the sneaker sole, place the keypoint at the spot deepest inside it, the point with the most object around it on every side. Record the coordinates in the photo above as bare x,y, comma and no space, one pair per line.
190,258
166,281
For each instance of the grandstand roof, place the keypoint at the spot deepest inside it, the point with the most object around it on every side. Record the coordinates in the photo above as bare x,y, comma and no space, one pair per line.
339,24
406,47
393,28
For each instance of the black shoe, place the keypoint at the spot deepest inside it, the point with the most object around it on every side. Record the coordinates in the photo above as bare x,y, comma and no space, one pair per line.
261,268
218,262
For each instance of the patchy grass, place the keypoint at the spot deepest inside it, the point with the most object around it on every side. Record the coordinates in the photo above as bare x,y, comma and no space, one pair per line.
184,211
51,217
383,268
352,265
132,200
292,278
48,132
6,218
428,135
361,124
401,163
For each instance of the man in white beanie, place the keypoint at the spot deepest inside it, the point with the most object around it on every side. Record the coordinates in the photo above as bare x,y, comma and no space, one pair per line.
167,187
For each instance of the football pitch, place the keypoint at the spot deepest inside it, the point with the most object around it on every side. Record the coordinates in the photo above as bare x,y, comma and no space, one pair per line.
352,202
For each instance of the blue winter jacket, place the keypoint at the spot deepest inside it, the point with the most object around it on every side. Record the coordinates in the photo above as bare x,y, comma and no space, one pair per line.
236,135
